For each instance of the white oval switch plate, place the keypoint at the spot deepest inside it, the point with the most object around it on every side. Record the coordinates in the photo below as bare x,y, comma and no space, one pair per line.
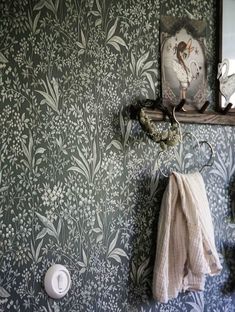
57,281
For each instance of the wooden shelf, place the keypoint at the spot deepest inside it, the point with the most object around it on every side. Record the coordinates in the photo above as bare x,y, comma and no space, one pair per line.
195,117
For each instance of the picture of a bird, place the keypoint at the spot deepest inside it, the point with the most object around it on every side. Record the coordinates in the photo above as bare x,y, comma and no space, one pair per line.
227,83
185,70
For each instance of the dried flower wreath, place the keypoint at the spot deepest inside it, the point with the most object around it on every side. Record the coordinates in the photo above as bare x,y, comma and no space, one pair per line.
165,138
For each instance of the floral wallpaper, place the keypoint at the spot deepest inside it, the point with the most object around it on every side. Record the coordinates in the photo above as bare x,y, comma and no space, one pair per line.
80,182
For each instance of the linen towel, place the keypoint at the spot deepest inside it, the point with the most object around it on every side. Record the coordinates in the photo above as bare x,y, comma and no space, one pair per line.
186,249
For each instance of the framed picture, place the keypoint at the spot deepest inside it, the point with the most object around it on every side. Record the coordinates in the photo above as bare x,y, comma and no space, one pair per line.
183,61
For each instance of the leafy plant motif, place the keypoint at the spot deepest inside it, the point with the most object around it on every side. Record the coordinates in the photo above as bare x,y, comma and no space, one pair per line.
98,14
114,40
198,303
4,293
141,68
61,145
225,171
32,25
125,134
34,255
115,252
83,264
183,158
82,44
54,306
87,168
51,94
140,274
49,4
154,181
3,60
49,228
30,162
99,230
2,188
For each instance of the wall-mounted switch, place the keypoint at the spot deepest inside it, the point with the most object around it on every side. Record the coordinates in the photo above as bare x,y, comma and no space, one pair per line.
57,281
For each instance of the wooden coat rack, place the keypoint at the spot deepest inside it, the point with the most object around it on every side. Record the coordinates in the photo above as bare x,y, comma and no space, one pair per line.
157,112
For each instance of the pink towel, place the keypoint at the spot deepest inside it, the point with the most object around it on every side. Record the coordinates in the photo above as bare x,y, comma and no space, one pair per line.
186,249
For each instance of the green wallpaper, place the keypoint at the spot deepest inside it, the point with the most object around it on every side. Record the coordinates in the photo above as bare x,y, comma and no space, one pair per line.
78,179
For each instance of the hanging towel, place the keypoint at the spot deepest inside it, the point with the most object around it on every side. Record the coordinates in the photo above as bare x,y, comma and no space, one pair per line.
186,249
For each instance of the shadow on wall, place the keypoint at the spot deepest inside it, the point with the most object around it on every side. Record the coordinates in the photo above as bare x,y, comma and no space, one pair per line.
144,240
232,198
229,256
229,248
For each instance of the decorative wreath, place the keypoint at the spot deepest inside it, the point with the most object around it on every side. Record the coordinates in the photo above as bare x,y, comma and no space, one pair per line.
165,138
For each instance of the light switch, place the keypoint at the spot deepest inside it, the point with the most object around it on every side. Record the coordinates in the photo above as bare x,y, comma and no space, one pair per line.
57,281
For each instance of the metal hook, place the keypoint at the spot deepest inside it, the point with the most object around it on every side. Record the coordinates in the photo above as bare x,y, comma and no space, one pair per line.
198,144
211,159
173,116
159,166
177,122
192,136
172,120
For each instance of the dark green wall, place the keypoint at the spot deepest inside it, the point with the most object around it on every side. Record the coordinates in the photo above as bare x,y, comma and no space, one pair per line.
78,181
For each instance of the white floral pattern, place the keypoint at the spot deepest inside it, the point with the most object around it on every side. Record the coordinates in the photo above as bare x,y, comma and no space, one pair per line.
79,183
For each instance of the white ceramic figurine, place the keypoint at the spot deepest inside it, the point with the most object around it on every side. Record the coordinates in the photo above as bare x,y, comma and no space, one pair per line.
227,83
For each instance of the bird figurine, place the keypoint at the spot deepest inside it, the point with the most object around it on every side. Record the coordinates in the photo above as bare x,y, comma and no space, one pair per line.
227,83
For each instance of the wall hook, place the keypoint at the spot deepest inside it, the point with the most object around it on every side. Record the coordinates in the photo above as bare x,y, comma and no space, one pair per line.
227,108
180,106
204,107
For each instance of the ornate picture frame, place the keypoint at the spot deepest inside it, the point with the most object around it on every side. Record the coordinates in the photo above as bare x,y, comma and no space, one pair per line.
183,61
